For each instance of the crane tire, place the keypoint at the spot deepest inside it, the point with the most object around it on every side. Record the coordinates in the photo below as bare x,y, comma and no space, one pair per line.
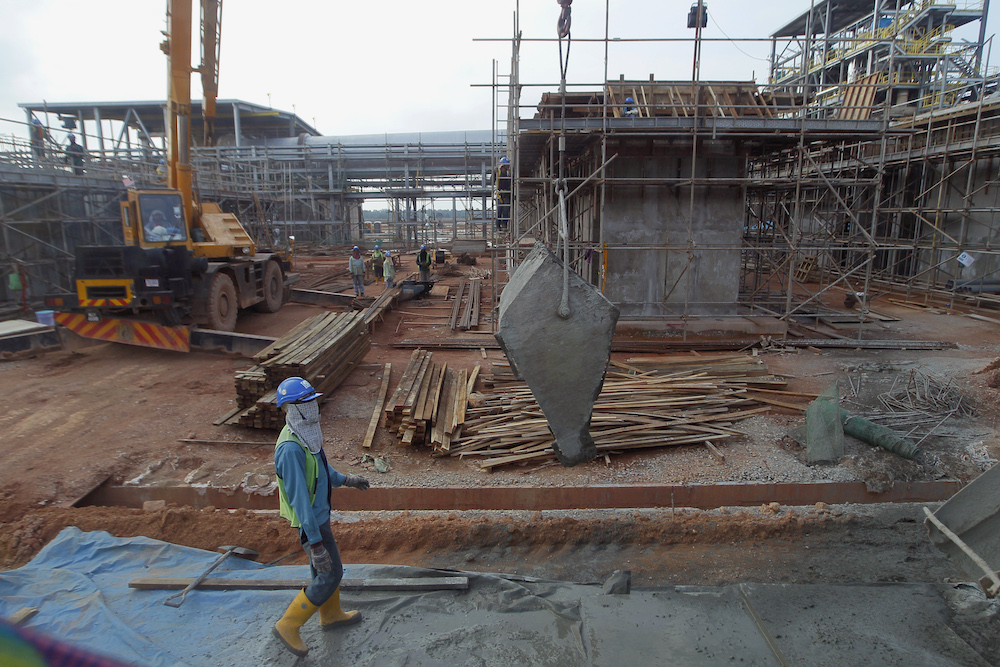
222,303
274,289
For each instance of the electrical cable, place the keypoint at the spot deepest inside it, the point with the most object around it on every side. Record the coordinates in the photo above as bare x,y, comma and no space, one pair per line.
733,41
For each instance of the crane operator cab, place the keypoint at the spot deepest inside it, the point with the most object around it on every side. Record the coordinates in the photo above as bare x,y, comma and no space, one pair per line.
161,222
161,218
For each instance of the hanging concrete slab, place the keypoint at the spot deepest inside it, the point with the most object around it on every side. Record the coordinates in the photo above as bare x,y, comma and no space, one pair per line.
562,359
974,515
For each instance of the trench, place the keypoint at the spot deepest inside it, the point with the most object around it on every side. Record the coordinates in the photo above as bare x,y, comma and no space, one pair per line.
697,496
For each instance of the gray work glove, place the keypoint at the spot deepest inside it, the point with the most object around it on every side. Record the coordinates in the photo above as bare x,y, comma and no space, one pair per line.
320,557
357,482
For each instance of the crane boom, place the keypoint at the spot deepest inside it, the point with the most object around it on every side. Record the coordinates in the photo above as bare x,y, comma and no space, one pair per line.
211,37
177,46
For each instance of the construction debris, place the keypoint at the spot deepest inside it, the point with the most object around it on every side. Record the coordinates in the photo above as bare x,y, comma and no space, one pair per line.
925,393
323,350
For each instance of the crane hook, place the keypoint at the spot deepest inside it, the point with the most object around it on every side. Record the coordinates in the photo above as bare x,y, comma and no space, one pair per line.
562,27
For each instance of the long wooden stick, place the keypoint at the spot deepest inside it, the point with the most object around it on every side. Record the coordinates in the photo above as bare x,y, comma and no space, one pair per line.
383,390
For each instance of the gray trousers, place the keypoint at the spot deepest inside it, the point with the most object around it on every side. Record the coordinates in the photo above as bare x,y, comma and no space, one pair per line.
323,584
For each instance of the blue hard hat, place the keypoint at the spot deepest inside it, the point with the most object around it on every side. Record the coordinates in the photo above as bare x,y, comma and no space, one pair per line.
36,121
423,247
504,160
71,137
296,390
629,100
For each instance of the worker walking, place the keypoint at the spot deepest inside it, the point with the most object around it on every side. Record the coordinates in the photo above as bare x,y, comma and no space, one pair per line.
502,193
424,264
305,481
389,270
378,257
75,155
356,266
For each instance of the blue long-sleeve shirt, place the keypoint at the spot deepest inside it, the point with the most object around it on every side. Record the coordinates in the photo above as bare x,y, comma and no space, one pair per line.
290,464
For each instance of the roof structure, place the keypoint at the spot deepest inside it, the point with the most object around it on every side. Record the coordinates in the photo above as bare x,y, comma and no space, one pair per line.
254,121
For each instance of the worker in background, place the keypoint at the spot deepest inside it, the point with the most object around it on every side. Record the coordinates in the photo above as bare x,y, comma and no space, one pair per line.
424,264
388,270
305,483
356,267
17,281
38,135
378,258
502,192
630,109
161,171
75,155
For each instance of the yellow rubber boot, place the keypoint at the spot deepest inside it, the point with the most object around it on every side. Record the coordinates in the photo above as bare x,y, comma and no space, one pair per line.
287,629
332,616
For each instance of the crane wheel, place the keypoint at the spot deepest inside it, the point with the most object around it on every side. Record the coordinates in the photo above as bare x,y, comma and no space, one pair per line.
222,303
274,289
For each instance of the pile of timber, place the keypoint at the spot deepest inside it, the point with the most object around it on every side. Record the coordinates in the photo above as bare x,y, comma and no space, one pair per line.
652,402
323,349
465,307
428,407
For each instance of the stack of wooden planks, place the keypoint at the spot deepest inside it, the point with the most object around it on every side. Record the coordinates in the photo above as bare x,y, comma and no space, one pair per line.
465,307
429,404
649,402
323,349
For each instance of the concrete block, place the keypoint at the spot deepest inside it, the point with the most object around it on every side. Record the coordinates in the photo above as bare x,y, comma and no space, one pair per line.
563,360
154,505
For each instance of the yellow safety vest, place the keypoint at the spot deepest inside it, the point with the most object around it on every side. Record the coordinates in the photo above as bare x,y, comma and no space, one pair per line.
312,475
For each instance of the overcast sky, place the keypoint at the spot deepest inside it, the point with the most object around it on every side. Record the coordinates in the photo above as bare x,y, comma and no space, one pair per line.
367,66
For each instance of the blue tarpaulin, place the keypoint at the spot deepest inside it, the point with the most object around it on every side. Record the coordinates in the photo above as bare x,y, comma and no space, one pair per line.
79,583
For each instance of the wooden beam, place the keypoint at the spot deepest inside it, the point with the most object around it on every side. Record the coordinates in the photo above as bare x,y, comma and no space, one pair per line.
383,390
235,584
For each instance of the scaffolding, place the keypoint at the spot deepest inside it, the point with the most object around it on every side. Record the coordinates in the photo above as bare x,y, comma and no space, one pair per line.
906,49
307,186
767,207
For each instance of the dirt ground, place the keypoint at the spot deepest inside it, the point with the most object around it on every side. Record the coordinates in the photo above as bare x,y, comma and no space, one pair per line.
75,418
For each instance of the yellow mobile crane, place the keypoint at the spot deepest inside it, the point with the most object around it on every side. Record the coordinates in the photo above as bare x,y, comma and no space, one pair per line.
183,260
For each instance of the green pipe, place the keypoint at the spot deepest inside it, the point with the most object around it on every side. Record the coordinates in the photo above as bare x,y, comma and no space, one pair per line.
876,434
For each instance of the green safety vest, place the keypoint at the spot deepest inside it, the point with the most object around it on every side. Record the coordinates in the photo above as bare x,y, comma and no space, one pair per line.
312,475
377,254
